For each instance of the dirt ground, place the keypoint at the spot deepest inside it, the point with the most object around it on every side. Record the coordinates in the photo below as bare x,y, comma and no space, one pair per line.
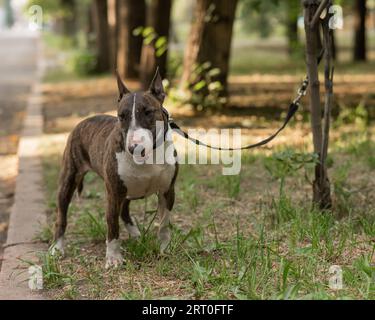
12,113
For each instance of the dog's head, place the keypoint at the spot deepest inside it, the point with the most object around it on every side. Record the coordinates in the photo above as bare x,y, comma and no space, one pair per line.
142,118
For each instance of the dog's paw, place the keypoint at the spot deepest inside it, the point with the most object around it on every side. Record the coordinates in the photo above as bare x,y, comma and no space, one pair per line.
57,249
133,230
114,261
114,257
164,246
165,239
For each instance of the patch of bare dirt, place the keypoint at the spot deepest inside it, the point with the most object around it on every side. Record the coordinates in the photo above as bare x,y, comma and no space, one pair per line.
8,173
254,101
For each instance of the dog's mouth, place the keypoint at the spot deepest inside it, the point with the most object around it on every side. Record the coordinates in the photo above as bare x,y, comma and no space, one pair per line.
141,142
140,156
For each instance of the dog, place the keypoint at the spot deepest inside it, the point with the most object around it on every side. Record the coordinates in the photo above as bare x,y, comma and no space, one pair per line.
118,149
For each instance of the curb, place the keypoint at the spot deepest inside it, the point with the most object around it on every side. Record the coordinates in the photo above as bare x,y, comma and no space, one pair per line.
28,213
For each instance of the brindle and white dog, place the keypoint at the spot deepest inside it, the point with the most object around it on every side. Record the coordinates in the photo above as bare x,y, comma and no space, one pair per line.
116,148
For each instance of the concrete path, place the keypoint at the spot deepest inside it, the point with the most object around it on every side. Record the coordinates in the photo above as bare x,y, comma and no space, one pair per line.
20,70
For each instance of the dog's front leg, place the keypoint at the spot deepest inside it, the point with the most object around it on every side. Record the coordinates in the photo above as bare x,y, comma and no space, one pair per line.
113,254
165,206
164,233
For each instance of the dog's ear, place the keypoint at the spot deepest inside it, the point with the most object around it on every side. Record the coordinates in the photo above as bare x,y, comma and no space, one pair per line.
156,87
122,89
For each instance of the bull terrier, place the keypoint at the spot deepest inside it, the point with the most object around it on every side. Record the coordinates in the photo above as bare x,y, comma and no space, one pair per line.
119,150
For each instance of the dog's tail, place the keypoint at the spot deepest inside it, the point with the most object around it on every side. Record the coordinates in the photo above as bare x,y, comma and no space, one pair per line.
80,187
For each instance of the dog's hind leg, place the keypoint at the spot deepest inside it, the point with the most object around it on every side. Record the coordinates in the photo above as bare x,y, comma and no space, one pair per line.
67,186
128,221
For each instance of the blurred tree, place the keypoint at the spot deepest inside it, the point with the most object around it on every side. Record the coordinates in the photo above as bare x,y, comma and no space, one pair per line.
131,14
257,15
360,10
9,17
158,18
334,46
69,18
264,16
102,35
112,29
210,39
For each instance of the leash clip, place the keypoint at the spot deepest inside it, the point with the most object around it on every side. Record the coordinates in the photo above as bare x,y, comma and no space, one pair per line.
303,89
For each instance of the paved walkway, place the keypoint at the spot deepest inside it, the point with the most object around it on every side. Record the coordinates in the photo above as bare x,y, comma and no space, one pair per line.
20,95
17,72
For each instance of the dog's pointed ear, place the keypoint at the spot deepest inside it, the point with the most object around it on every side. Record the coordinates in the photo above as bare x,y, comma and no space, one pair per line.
156,87
122,89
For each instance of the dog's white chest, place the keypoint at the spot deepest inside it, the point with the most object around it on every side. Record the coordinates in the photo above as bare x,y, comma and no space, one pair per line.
143,180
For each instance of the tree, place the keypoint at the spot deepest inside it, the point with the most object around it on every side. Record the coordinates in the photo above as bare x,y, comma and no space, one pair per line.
312,12
257,15
154,54
9,18
360,30
112,29
69,18
210,38
102,41
131,14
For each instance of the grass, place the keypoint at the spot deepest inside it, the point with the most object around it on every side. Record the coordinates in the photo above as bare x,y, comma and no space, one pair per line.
250,236
231,239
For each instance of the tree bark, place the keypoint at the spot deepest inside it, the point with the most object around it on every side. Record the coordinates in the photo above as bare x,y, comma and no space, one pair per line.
102,41
360,8
210,38
131,15
69,20
9,17
328,83
333,45
321,186
158,17
112,30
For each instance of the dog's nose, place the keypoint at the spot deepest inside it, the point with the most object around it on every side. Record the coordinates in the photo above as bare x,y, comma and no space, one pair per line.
132,148
140,150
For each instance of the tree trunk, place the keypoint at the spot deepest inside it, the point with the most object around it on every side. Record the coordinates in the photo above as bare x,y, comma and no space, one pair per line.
131,15
102,41
360,30
321,186
112,29
333,45
328,83
90,27
210,38
158,17
9,17
69,20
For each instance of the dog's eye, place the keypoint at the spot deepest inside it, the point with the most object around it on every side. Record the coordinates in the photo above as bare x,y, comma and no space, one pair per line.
121,117
149,112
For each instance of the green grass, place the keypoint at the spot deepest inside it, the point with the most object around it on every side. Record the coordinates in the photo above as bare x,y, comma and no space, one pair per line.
227,243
